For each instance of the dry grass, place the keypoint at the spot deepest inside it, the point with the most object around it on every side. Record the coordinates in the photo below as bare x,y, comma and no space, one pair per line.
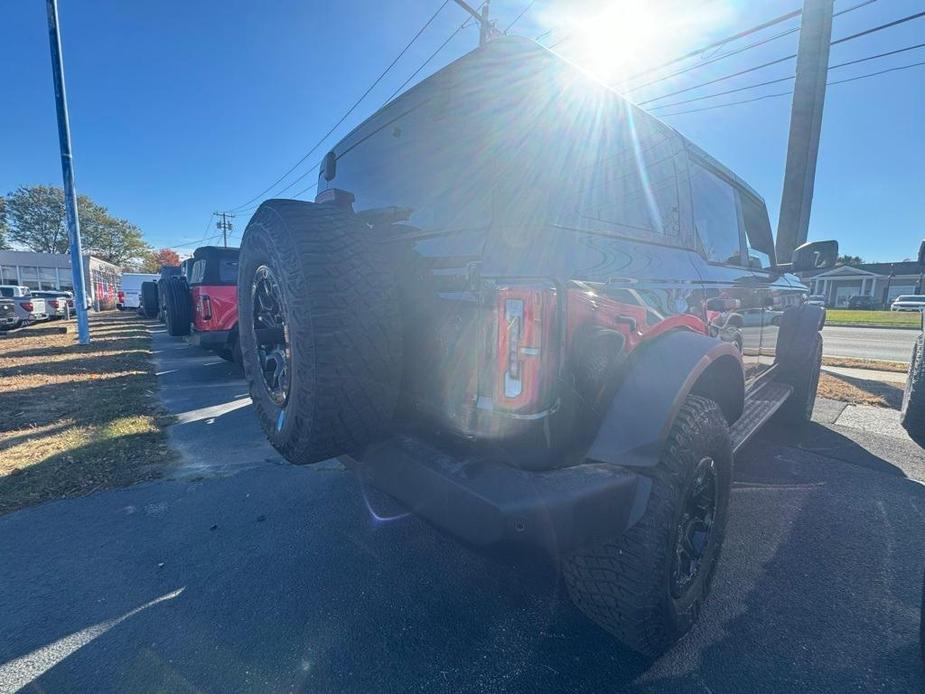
860,392
75,419
875,364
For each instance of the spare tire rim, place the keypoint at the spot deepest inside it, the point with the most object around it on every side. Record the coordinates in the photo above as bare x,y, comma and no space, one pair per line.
272,334
695,528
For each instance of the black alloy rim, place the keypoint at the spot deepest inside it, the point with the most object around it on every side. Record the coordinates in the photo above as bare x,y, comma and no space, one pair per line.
695,528
272,334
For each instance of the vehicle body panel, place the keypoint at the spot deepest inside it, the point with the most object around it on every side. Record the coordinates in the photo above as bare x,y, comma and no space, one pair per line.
605,221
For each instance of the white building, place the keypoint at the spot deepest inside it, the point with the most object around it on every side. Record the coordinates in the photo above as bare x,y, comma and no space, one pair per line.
882,281
53,271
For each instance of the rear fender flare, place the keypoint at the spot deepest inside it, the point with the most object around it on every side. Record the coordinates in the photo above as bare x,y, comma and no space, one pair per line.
659,378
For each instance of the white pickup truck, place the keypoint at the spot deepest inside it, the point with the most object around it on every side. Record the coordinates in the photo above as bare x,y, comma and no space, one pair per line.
29,309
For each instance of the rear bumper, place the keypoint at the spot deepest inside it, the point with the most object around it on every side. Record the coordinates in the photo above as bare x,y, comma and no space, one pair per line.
488,503
209,339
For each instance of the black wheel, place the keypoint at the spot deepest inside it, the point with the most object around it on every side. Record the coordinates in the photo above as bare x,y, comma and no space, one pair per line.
149,299
178,308
912,414
319,330
647,586
802,373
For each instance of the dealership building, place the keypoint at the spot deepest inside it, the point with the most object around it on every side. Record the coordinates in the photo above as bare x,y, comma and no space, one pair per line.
882,281
53,271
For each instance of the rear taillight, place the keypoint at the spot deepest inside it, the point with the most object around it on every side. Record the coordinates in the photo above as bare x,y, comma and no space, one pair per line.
53,303
206,306
526,348
27,306
121,297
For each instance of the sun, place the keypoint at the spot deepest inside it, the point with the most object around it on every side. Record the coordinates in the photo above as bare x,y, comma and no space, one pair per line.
614,39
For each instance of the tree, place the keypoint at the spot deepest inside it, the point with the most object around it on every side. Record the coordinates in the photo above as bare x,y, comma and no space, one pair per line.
153,261
37,220
3,227
850,260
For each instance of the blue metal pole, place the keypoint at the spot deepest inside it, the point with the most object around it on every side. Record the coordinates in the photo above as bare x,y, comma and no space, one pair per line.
67,170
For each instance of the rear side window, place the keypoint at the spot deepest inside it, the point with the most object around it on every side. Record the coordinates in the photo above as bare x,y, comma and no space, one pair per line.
757,232
716,217
6,291
228,271
198,272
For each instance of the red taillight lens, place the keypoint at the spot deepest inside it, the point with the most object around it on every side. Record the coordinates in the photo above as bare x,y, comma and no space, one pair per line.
27,306
206,305
121,296
53,303
526,349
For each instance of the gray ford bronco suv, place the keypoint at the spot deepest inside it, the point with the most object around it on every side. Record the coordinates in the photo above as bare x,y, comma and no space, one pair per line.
536,316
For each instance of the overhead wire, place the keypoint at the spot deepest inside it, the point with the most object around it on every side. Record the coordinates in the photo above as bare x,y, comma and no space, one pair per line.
779,94
789,77
739,73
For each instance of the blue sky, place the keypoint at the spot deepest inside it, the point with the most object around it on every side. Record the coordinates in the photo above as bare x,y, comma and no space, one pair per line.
182,108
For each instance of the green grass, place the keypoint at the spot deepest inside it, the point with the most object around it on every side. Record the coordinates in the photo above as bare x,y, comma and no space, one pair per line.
878,319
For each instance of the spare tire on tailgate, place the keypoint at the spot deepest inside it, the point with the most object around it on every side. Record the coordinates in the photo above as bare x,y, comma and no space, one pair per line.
178,308
319,329
149,299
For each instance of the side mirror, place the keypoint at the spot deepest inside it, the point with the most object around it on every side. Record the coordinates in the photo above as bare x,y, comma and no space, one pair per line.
816,255
922,253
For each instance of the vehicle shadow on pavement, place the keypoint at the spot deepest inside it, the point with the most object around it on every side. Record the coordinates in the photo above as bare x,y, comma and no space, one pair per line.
296,578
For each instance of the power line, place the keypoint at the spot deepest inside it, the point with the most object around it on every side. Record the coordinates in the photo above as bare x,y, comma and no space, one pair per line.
727,54
781,60
522,13
784,79
779,94
348,112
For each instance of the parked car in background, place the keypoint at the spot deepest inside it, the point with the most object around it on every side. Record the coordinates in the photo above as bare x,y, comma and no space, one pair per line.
58,304
908,302
214,299
129,295
816,300
863,303
29,309
8,319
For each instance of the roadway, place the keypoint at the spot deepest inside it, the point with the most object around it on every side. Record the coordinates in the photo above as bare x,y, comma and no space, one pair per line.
891,344
240,573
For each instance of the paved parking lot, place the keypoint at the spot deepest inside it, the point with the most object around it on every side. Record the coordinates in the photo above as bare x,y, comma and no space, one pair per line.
247,574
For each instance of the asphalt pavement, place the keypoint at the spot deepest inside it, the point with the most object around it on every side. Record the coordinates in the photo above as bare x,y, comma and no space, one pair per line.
243,573
891,344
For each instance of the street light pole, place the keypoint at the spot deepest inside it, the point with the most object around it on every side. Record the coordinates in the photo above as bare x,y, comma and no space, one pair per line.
67,171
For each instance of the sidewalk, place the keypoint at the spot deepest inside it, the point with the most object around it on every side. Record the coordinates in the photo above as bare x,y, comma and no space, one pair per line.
866,374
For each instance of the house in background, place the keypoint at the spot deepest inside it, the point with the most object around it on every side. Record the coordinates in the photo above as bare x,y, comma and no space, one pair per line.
883,281
53,271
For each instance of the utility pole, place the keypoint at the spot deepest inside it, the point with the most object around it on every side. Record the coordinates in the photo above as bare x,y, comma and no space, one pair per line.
805,126
487,29
67,171
224,225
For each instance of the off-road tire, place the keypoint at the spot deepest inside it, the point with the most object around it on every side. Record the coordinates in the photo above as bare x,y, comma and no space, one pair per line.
801,372
149,299
624,585
343,326
912,414
178,308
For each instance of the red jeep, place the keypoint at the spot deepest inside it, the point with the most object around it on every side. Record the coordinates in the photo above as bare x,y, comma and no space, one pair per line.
213,293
